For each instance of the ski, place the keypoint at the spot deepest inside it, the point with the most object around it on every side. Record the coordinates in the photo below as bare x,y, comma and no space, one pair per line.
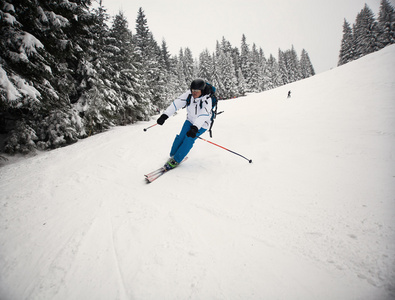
156,172
152,176
155,175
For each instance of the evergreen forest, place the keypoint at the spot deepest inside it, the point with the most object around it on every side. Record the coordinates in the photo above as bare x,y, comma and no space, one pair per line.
69,70
368,34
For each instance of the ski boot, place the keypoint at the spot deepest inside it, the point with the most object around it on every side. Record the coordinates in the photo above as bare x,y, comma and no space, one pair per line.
171,164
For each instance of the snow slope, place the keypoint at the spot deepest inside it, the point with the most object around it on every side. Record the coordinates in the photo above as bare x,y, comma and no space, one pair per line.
313,217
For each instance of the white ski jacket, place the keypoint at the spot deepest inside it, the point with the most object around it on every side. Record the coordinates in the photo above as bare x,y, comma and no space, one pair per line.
198,111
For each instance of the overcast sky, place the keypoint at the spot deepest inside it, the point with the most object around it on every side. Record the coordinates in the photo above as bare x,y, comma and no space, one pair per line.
315,25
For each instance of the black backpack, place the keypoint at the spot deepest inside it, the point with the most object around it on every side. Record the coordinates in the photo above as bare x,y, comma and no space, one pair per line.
208,90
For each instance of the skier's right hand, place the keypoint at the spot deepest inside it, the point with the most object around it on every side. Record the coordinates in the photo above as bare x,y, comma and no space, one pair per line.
162,119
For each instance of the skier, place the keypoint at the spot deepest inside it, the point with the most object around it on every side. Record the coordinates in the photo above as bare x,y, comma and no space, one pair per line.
197,122
289,94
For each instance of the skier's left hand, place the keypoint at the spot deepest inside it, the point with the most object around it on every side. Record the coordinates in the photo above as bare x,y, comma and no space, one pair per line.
192,132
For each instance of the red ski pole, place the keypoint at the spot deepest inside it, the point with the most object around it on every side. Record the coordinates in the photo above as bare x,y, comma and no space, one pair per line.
249,160
145,129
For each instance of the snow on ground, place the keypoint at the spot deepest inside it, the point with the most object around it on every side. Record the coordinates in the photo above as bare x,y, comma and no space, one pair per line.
313,217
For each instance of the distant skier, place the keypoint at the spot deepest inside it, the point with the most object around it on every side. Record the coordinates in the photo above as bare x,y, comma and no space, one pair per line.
289,94
198,120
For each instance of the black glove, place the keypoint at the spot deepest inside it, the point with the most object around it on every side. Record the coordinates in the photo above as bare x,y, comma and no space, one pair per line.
162,119
192,132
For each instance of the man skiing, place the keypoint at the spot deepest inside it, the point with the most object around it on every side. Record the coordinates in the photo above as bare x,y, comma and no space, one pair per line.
198,103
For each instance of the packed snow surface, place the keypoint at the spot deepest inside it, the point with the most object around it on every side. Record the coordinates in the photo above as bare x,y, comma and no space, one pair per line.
313,217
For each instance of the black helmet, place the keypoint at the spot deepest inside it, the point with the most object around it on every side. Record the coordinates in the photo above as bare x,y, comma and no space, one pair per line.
198,84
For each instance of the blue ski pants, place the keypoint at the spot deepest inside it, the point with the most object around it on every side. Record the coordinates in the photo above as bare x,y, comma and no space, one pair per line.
182,143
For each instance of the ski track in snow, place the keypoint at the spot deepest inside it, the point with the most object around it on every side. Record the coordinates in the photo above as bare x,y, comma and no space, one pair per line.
311,218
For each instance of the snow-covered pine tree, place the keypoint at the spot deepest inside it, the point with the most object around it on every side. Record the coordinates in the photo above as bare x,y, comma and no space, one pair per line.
21,139
218,69
166,57
146,49
189,66
256,70
227,85
264,69
293,65
306,67
160,87
143,39
347,47
289,66
386,23
175,82
126,74
225,58
241,83
245,63
283,68
206,67
97,92
180,71
171,84
272,72
19,61
365,33
215,81
224,46
234,53
39,68
68,41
